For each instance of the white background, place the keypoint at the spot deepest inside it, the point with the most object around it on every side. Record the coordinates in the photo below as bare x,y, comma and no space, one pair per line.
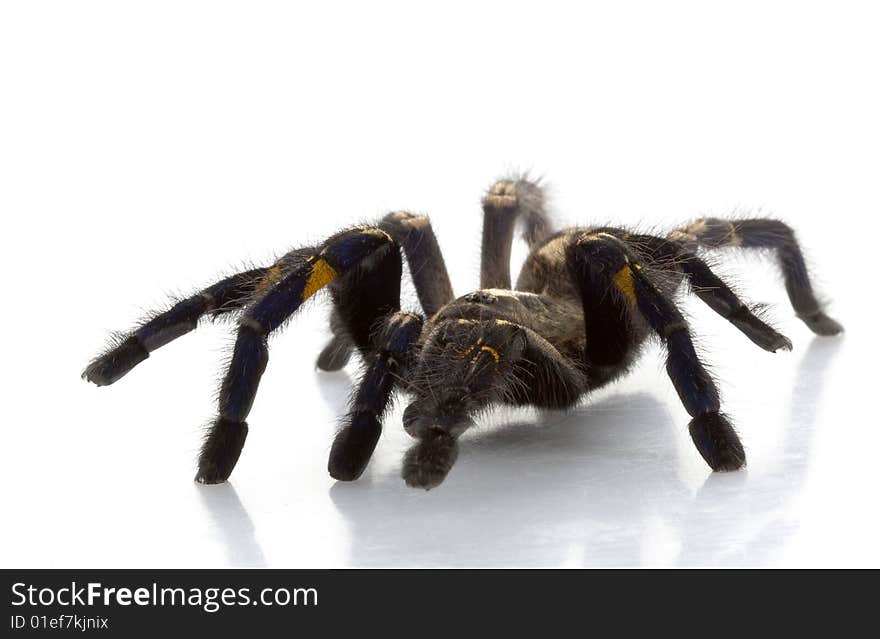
146,148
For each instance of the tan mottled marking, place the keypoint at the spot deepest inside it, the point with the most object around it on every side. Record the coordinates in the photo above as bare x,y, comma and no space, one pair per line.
501,195
682,236
696,228
372,230
735,239
554,249
588,237
409,219
270,279
505,292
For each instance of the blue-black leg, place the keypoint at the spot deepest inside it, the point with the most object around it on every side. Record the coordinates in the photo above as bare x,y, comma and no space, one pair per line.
768,234
413,233
711,432
610,337
386,366
227,295
357,262
627,280
712,290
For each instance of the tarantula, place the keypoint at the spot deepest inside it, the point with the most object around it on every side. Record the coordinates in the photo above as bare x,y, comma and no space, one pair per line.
584,303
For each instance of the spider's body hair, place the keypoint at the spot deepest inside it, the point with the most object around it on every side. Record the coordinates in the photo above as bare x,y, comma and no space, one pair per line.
584,303
558,320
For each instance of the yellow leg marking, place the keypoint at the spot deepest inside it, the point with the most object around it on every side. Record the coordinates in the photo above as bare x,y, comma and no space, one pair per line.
623,280
270,279
322,275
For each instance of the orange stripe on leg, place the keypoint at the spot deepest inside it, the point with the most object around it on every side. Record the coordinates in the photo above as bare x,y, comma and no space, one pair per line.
623,280
322,274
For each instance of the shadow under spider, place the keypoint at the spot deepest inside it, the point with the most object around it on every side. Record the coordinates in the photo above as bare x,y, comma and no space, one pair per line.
607,475
236,529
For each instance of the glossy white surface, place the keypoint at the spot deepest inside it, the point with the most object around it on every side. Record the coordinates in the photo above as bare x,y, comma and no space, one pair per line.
146,152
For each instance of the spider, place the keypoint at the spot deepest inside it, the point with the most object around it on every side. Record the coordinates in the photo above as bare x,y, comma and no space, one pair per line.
585,301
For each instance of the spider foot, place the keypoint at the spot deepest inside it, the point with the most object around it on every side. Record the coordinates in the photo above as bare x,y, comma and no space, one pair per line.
821,324
335,355
353,447
760,333
112,365
768,339
426,464
221,451
779,343
717,442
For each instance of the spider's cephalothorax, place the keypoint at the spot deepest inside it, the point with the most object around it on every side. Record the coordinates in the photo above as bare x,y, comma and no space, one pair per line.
585,301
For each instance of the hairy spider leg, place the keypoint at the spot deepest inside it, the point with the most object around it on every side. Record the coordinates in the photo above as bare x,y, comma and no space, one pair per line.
711,289
505,202
610,339
367,264
551,380
613,267
427,268
335,355
386,367
227,295
415,235
765,233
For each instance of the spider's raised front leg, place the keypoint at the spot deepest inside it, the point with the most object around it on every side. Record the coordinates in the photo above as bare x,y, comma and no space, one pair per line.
131,349
426,265
413,232
765,233
605,269
506,202
365,266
